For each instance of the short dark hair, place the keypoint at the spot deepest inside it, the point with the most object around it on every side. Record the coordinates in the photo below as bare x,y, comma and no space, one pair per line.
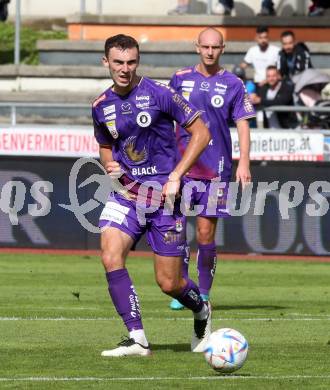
121,41
271,67
287,33
262,29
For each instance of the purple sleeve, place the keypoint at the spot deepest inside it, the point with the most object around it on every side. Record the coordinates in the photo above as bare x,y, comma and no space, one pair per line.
173,82
100,131
176,106
242,107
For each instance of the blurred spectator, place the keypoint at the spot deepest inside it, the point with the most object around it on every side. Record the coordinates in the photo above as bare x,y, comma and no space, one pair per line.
276,92
261,55
250,89
225,7
294,57
180,9
318,7
4,10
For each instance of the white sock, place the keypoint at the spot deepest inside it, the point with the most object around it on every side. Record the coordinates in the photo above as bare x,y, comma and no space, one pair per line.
139,336
202,315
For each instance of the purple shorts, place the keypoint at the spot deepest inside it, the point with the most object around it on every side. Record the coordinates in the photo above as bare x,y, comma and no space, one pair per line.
210,194
166,234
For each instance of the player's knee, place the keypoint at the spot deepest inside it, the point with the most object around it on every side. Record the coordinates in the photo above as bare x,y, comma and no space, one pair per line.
205,236
111,261
169,286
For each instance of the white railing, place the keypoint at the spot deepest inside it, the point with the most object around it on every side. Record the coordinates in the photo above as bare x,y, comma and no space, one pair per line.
14,105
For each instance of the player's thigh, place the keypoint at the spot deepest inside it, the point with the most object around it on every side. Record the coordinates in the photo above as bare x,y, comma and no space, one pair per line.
168,273
115,245
205,231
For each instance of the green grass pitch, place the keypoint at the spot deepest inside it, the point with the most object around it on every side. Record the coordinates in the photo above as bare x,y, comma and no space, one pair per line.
50,339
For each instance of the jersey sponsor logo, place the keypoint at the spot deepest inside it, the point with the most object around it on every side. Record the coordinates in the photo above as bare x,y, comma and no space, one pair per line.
143,119
144,171
109,109
111,125
188,83
182,103
217,101
224,86
110,117
220,91
221,88
142,97
187,89
133,155
98,100
143,101
205,86
186,95
142,105
126,108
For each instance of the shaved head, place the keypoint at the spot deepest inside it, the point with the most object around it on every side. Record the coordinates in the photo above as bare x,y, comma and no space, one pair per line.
210,34
209,46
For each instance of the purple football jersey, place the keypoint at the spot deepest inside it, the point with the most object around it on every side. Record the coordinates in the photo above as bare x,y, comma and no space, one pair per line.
140,129
222,98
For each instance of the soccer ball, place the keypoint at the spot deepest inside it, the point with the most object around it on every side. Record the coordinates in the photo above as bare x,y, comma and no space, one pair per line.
226,350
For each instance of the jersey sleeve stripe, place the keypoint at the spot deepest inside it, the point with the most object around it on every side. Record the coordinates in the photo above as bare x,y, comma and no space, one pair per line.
193,118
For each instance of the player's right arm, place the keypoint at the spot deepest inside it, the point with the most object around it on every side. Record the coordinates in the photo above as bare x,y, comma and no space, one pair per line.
107,160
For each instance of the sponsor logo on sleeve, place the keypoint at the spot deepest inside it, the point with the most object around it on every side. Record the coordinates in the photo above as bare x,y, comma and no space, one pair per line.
248,107
181,103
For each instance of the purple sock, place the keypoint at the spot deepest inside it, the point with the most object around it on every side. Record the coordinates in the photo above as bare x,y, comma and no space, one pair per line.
206,265
190,297
185,263
124,298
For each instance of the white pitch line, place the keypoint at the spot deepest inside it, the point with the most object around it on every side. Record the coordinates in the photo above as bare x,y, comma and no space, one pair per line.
195,378
158,319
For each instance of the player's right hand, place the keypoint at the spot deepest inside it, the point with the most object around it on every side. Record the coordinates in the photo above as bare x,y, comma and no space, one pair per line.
113,168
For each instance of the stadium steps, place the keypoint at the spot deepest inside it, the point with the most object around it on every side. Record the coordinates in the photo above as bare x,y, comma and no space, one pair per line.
72,78
187,27
157,54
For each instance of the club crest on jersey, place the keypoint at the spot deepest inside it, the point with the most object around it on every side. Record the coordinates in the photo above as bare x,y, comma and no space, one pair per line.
143,119
217,101
111,125
178,225
205,86
132,154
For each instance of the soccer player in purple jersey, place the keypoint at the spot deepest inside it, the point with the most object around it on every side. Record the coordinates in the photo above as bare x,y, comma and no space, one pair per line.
133,124
222,98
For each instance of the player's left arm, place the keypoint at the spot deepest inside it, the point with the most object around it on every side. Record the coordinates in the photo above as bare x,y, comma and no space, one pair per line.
243,173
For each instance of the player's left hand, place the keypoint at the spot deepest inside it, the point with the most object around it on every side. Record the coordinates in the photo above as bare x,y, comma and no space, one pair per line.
243,174
171,188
